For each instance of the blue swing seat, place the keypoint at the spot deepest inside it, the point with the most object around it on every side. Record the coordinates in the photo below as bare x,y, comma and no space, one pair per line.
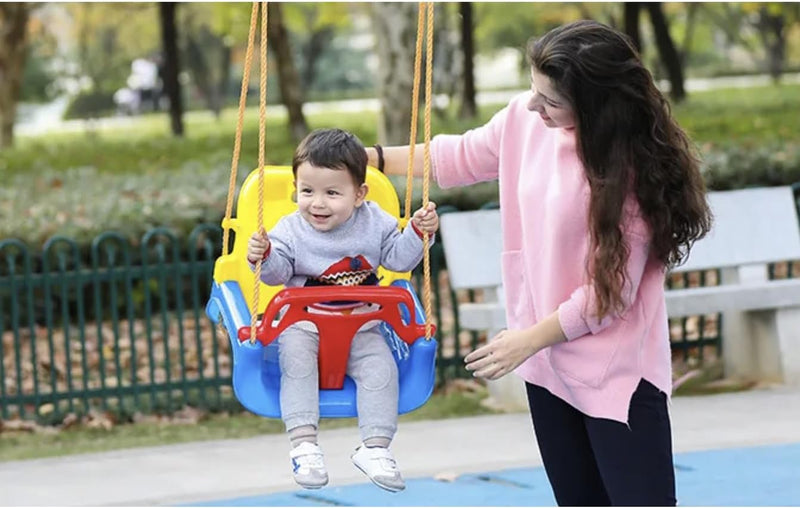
256,372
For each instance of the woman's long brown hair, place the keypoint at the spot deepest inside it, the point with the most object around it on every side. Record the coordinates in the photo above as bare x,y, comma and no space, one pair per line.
628,142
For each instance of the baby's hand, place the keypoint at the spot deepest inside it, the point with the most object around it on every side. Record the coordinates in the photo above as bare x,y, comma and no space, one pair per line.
426,219
257,246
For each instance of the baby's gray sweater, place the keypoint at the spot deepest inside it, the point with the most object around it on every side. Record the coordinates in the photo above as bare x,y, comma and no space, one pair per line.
347,255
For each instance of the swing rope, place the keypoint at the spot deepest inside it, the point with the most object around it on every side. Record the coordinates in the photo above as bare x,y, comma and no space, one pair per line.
262,144
237,143
412,136
425,12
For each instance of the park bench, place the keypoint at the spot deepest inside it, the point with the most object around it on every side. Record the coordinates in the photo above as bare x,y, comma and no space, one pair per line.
760,322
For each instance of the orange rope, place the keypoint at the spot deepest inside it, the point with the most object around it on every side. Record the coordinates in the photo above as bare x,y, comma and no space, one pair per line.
237,144
262,141
426,181
425,13
412,136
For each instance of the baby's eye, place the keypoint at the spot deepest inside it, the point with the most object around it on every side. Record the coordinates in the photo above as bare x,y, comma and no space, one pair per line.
305,191
333,193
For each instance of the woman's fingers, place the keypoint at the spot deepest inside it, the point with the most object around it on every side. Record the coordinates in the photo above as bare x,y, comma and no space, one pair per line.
484,363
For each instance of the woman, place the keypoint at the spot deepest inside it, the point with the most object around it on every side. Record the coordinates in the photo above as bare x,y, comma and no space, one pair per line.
600,194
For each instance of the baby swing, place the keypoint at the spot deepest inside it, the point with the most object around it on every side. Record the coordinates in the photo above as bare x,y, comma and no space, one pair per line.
266,196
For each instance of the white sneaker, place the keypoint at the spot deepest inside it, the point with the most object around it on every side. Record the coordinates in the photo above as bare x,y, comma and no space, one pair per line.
308,466
379,465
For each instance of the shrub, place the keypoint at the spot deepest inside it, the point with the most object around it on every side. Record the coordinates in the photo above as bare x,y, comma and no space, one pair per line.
736,167
90,105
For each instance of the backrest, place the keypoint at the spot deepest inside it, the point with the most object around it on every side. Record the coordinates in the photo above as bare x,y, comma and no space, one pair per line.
751,226
278,201
472,244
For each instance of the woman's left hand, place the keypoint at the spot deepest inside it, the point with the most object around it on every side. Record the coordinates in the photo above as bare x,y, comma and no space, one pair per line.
502,354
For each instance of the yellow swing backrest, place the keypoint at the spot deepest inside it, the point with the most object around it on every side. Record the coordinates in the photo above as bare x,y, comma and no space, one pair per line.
278,201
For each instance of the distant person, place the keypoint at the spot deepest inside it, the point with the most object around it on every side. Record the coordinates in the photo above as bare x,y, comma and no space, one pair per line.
338,238
600,193
144,80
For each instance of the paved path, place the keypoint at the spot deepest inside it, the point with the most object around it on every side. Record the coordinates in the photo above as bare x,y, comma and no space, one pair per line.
766,475
469,450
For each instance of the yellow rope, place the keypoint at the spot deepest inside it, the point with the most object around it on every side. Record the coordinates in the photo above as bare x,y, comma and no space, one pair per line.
262,140
426,267
412,136
237,144
425,13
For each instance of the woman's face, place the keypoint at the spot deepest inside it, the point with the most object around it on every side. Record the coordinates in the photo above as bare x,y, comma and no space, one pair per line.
554,109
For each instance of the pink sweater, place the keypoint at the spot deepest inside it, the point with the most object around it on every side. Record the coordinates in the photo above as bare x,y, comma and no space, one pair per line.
544,198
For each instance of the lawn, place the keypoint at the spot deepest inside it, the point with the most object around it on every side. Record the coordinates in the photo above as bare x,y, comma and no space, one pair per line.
752,116
766,115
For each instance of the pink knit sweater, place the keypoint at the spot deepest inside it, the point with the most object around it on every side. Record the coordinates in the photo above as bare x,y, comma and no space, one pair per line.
544,198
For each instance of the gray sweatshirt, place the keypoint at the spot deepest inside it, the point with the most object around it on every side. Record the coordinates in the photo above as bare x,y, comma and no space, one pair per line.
348,255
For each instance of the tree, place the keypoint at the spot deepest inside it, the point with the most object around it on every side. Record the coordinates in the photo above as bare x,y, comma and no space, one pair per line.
13,29
468,107
201,45
691,23
631,20
511,25
313,27
395,32
771,26
206,52
109,37
666,49
288,78
172,86
747,24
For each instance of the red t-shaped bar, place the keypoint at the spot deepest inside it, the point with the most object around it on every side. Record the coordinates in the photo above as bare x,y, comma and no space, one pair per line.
336,331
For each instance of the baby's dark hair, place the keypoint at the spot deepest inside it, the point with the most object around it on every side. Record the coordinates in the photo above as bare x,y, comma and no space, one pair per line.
334,149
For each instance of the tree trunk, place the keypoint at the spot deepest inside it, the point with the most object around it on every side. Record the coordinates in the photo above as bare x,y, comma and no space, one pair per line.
666,49
169,39
631,17
13,30
223,86
468,105
288,77
314,49
771,30
691,22
395,33
201,72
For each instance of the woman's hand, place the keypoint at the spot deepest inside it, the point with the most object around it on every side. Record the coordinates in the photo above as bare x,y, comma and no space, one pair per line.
257,246
426,219
509,348
504,353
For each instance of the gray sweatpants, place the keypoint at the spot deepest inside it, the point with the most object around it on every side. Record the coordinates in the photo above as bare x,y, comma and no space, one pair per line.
371,365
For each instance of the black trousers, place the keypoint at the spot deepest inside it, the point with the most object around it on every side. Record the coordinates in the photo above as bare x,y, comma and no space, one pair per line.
599,462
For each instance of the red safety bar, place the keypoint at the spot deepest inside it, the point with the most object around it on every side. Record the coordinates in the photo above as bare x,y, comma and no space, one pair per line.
336,331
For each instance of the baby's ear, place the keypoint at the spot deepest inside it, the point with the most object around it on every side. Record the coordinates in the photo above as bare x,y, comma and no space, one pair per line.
361,194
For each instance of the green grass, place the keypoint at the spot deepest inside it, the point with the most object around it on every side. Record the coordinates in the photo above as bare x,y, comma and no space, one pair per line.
743,116
81,439
750,116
